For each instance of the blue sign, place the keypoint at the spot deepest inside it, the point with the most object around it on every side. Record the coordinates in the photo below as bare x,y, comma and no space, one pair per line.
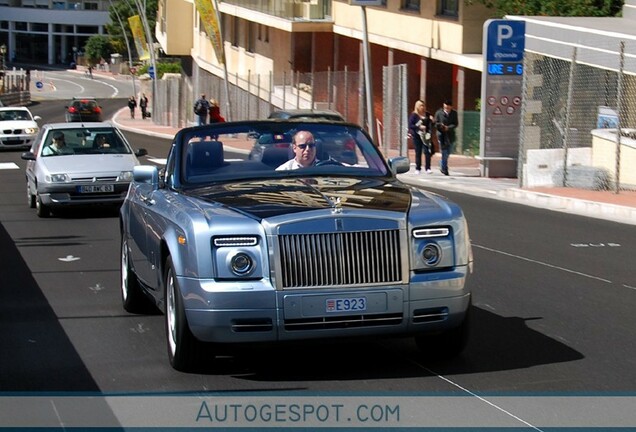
39,84
151,72
506,40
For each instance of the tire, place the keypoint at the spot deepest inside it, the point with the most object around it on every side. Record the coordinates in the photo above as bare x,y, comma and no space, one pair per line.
30,197
41,209
448,344
132,297
184,350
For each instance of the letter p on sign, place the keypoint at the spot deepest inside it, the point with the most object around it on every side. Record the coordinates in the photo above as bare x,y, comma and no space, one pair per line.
503,32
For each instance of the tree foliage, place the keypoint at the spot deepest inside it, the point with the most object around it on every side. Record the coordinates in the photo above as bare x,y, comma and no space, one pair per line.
579,8
97,47
120,11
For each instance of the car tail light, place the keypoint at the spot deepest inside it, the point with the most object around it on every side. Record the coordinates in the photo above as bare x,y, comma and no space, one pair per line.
72,109
97,110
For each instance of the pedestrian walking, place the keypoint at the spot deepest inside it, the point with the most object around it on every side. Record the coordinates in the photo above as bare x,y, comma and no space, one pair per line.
201,107
132,104
420,128
215,112
446,123
143,105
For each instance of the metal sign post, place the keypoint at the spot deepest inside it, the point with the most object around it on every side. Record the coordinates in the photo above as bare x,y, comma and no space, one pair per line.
368,80
502,85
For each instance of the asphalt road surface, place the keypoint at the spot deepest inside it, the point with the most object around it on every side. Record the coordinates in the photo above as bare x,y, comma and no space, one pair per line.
554,296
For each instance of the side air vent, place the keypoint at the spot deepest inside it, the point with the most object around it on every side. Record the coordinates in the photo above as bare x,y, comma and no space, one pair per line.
430,315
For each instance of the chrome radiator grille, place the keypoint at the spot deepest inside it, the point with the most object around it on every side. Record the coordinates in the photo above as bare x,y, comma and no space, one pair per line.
340,259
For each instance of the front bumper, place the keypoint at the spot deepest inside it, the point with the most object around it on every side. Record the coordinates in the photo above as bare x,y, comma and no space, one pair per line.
18,141
68,195
228,313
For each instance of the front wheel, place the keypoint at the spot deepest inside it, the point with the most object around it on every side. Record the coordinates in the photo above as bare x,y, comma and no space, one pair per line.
30,197
41,209
184,350
133,299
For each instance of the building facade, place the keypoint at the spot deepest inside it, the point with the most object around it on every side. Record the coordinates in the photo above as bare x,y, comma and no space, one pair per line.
49,31
439,41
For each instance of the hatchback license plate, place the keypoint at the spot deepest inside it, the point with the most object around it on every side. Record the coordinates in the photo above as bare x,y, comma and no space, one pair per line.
96,188
346,304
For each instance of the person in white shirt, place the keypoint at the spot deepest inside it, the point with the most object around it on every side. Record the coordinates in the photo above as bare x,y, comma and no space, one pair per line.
57,146
304,147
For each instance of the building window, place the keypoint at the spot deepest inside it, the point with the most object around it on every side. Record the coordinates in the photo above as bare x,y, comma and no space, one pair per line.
235,31
91,6
251,37
39,27
449,8
411,5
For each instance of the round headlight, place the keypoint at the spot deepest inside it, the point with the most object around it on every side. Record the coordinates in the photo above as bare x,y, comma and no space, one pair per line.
241,264
432,254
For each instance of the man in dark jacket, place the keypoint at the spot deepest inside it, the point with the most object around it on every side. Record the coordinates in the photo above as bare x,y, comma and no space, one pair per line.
201,107
446,122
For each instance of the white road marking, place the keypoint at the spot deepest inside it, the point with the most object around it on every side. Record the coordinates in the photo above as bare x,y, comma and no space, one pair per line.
486,401
8,165
543,264
69,258
157,161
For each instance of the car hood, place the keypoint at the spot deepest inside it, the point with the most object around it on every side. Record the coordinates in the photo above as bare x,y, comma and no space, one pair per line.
84,164
267,198
17,124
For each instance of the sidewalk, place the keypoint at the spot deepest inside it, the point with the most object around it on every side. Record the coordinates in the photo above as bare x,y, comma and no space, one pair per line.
465,178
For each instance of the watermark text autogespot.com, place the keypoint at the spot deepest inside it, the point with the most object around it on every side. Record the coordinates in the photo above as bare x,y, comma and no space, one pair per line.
297,413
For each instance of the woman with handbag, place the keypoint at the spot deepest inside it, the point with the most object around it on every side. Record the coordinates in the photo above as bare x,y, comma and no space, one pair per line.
420,123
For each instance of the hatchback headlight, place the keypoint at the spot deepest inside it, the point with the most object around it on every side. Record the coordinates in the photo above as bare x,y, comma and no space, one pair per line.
58,178
125,176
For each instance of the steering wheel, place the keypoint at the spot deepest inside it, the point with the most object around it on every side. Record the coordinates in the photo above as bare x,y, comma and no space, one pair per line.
330,161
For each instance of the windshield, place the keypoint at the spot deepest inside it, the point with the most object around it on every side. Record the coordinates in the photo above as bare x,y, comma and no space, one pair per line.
102,140
12,115
266,149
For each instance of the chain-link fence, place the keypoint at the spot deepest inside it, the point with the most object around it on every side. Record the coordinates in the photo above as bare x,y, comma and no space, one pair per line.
573,108
254,96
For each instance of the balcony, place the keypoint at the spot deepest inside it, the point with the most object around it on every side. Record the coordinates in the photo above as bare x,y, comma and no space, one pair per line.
293,10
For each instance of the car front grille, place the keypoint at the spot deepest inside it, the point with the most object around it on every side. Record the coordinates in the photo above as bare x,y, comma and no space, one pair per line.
12,131
346,321
340,259
93,179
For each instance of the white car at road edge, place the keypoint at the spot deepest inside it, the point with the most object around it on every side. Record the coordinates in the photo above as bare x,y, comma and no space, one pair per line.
18,127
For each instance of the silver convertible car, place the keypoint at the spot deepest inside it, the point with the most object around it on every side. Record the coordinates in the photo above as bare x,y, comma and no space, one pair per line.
73,164
238,251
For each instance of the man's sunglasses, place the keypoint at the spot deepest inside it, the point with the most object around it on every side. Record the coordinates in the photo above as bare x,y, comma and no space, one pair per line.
304,146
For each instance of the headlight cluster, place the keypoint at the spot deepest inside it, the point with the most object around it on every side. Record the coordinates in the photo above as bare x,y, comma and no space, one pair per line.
241,264
125,176
428,248
238,255
31,130
58,178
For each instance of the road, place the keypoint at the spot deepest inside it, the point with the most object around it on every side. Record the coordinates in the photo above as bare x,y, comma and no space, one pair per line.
554,299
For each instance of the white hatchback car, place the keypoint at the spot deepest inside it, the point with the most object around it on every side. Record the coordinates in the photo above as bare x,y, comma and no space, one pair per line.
18,127
72,164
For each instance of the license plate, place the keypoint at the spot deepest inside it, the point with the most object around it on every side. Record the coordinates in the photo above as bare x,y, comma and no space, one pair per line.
96,188
346,304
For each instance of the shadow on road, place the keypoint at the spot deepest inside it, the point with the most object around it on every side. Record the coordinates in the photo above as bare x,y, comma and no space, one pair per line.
36,353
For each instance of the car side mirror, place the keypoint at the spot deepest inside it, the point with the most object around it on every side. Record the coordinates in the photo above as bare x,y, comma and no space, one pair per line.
28,156
148,174
37,118
400,164
141,152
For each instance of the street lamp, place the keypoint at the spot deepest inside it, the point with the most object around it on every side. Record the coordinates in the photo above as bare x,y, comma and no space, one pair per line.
3,51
